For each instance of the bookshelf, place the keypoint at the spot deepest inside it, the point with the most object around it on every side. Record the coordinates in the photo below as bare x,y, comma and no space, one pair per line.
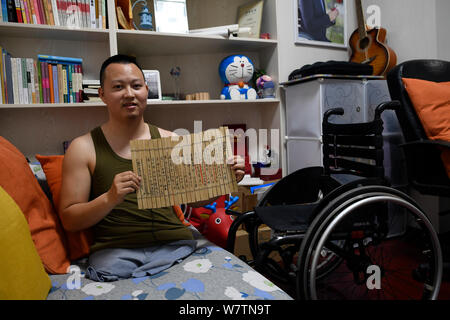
198,56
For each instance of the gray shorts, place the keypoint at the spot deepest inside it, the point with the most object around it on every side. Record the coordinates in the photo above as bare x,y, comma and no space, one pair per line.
119,263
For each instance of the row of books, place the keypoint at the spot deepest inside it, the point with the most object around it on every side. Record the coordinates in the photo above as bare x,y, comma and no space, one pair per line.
69,13
90,91
48,79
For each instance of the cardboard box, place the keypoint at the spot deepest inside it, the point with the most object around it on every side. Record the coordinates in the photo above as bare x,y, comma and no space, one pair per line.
246,202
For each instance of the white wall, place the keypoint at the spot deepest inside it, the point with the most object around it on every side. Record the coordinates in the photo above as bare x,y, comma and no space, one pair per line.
415,29
443,28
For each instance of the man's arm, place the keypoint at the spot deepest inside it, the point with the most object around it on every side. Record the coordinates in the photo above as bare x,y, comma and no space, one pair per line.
76,211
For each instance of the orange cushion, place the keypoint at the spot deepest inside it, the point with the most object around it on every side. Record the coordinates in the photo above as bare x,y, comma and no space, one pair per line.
431,100
19,182
78,242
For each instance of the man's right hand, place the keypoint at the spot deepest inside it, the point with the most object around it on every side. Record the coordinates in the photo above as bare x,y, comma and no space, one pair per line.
123,184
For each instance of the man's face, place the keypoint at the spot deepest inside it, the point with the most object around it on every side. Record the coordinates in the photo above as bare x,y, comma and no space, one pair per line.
124,90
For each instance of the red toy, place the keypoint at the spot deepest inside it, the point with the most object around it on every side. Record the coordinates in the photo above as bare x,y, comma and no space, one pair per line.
212,221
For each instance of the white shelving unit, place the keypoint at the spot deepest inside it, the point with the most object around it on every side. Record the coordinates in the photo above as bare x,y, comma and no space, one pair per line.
41,128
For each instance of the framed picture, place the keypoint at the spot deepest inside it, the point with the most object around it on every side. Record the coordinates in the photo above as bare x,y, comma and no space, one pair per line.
153,82
171,16
250,15
321,22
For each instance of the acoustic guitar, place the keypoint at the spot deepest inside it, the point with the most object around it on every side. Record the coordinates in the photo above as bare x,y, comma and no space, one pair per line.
369,46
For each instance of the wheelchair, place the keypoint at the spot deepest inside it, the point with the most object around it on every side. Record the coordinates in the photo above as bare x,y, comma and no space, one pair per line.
332,234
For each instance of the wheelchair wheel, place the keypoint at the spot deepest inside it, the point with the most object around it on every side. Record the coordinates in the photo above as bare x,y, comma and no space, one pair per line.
354,229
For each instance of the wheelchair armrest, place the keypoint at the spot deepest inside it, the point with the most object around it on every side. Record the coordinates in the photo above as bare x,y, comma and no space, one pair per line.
388,105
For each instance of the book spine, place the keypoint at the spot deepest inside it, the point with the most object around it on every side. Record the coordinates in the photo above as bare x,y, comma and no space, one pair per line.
100,15
40,81
44,69
92,13
24,80
12,13
42,11
75,89
87,14
34,11
64,81
18,11
55,12
59,59
97,26
2,79
63,17
59,4
29,86
36,82
22,11
70,84
80,83
50,82
19,80
4,76
14,80
46,13
104,14
28,11
60,86
50,12
82,13
4,10
9,79
54,72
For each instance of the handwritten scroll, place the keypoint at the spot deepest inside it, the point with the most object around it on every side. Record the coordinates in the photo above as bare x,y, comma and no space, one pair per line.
183,169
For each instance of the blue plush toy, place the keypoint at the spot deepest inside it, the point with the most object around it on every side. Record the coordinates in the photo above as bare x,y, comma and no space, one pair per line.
236,71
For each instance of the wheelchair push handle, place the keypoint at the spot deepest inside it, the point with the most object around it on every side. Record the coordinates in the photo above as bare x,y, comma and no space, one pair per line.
389,105
336,111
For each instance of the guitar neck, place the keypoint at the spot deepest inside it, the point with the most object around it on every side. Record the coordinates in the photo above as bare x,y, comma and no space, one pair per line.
361,21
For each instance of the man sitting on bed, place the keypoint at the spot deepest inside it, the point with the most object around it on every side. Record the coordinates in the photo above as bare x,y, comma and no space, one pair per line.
99,186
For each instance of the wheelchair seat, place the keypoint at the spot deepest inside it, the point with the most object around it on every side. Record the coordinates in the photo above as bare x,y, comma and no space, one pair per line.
323,228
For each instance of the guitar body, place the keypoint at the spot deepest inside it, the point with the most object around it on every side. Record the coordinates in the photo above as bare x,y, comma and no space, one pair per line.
373,50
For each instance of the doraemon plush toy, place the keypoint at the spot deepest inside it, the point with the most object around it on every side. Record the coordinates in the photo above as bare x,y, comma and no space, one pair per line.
236,71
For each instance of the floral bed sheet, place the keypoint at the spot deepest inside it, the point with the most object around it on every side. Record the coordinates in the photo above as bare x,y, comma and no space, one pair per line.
210,273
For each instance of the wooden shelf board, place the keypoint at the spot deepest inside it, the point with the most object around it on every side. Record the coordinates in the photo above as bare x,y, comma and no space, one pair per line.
175,44
23,30
155,103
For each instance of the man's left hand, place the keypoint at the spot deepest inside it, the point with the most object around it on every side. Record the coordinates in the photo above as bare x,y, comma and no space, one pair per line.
237,165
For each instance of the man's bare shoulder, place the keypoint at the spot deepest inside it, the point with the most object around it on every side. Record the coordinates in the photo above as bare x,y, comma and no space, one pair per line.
81,148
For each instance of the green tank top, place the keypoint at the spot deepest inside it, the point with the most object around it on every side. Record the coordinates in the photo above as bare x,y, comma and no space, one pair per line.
126,226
